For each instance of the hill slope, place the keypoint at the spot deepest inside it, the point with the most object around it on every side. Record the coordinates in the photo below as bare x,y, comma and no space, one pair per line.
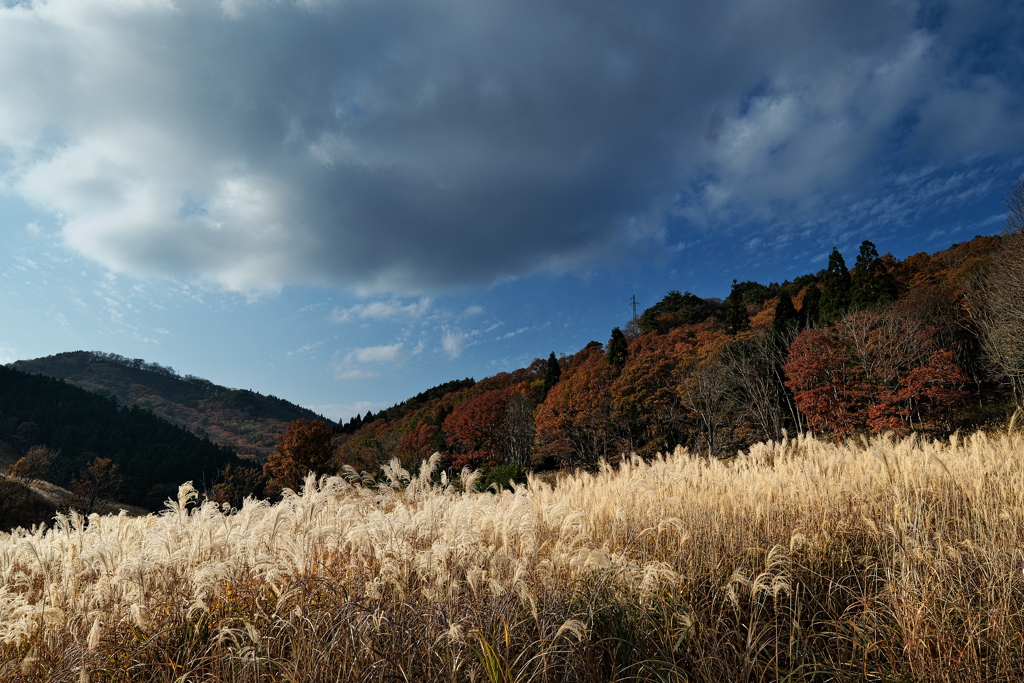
245,421
77,427
884,345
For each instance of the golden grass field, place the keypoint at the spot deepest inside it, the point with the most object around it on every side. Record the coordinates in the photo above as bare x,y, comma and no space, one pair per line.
877,560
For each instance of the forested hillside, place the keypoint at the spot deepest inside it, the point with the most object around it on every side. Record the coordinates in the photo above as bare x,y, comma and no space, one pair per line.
878,345
61,433
246,421
928,344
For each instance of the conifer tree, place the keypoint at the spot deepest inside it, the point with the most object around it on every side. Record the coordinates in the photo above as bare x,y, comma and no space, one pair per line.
871,282
736,317
552,372
810,309
786,316
835,292
618,348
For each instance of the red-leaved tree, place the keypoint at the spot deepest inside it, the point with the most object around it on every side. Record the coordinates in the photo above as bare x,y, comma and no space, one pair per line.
873,371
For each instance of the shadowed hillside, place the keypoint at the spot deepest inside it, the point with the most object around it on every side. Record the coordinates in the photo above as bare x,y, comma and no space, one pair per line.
245,421
85,441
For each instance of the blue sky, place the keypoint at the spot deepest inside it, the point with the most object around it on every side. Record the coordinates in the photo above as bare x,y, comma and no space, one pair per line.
345,202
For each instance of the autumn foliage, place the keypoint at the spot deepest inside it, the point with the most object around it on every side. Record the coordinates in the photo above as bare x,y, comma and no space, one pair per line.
306,447
894,350
874,371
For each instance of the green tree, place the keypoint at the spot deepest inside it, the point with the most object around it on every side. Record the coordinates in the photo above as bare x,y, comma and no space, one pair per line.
810,308
871,283
618,348
552,373
835,292
736,317
786,316
673,310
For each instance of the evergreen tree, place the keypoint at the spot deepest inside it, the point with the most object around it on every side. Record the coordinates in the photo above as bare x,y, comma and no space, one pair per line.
835,292
810,309
736,317
673,310
786,316
871,281
618,348
552,373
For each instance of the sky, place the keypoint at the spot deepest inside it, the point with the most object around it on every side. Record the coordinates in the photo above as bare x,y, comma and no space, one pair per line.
346,202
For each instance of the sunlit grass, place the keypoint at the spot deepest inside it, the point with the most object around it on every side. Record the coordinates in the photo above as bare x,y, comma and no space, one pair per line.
881,559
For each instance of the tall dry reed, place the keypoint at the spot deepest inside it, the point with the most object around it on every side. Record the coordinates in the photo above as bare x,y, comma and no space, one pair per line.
880,559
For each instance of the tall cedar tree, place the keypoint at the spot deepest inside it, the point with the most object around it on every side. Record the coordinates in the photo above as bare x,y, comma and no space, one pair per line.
871,283
736,317
305,447
618,348
786,316
835,292
810,308
552,373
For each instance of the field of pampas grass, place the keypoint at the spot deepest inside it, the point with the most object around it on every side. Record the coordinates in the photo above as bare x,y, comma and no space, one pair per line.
878,559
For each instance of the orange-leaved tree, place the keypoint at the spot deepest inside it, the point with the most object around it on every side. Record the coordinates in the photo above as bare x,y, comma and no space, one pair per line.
492,428
99,484
574,425
305,447
35,464
873,370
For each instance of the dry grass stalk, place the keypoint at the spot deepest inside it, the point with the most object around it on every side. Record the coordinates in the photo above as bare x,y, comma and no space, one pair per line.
878,559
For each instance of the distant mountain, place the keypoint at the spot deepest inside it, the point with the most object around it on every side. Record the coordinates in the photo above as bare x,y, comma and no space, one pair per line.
78,429
245,421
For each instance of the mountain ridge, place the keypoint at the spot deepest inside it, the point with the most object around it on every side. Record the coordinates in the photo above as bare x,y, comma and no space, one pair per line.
246,421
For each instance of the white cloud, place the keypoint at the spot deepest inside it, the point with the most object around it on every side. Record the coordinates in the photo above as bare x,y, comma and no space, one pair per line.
305,349
405,147
365,362
513,333
344,373
453,342
383,310
385,353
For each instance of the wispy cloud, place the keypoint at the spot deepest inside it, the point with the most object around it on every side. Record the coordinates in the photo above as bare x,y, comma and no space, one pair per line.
513,333
367,361
305,349
385,353
383,310
453,341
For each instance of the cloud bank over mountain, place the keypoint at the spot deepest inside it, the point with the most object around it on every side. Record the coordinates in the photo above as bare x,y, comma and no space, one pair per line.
410,147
